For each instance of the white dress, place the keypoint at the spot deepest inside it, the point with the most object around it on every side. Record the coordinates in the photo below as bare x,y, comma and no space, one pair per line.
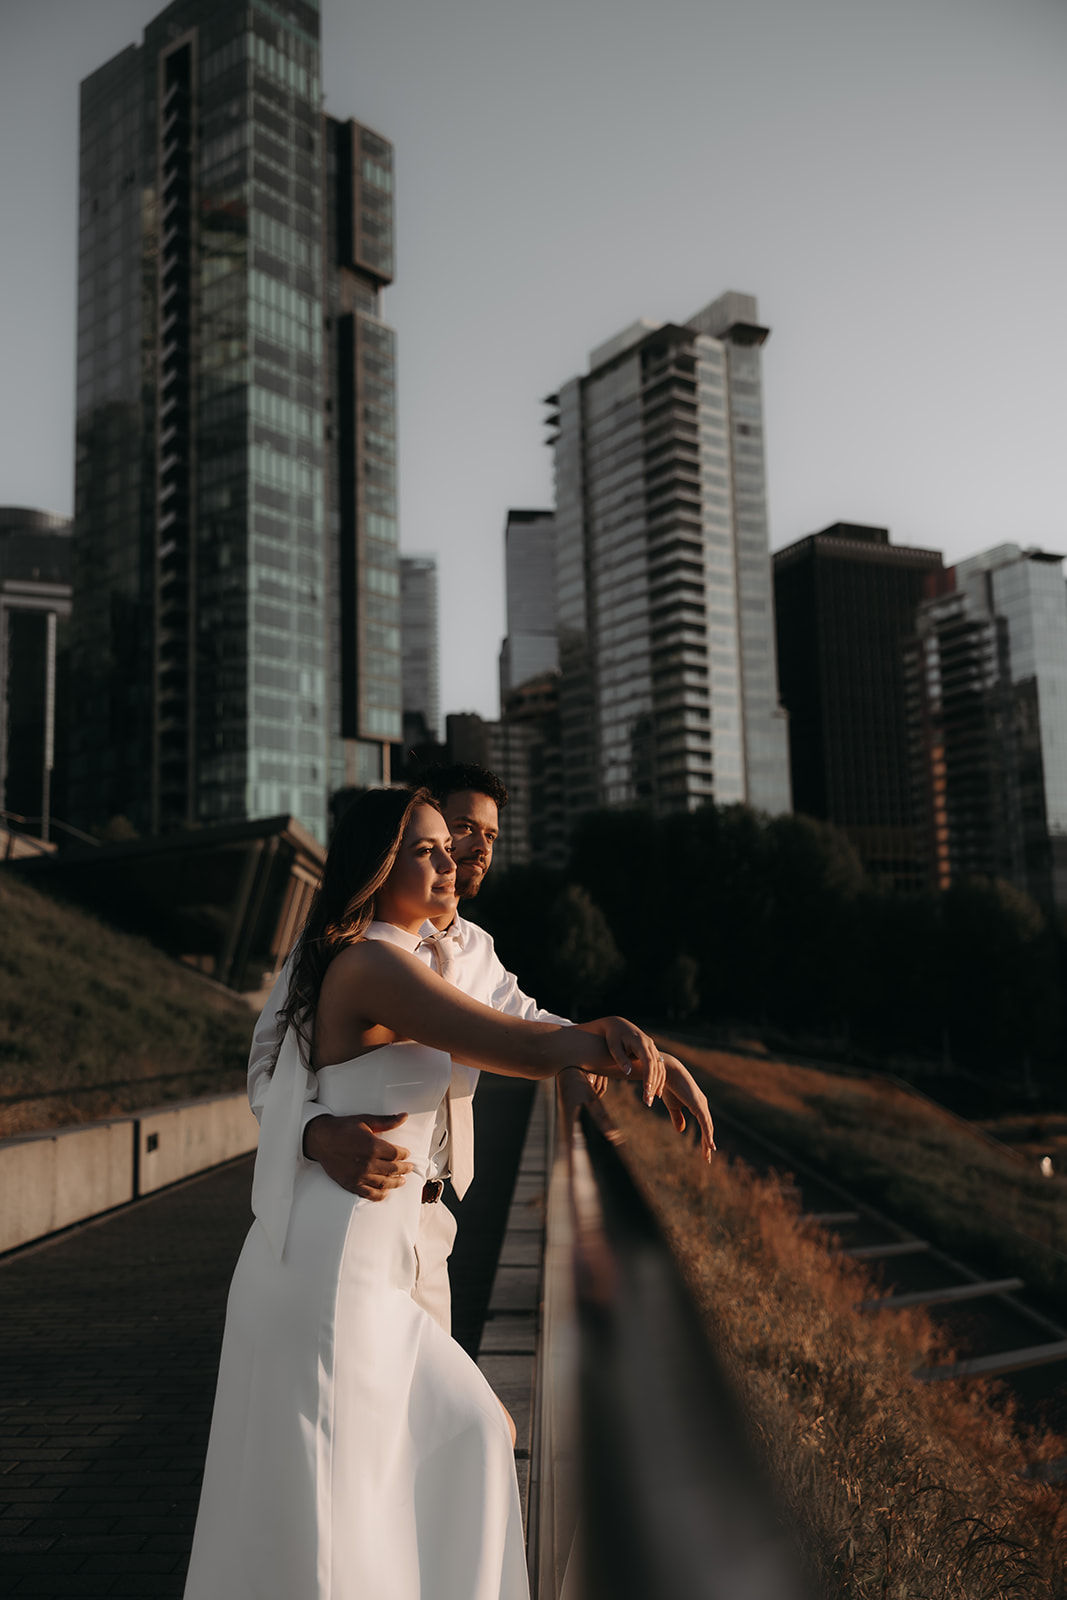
356,1451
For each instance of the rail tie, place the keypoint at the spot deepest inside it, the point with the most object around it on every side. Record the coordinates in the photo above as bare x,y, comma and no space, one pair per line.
1034,1355
949,1295
798,1175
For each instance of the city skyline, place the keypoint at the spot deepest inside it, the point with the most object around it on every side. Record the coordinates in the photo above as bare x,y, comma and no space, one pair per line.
886,178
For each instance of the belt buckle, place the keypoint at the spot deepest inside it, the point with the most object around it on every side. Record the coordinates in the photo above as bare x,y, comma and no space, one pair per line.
432,1190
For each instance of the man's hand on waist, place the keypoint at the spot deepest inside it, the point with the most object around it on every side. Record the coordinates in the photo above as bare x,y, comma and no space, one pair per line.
350,1153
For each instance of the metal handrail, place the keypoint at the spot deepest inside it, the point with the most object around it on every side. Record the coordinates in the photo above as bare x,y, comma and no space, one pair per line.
644,1482
53,822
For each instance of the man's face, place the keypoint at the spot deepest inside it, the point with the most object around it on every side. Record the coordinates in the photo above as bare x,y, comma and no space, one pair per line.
474,825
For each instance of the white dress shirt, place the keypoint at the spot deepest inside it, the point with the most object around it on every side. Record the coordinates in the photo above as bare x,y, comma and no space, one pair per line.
474,967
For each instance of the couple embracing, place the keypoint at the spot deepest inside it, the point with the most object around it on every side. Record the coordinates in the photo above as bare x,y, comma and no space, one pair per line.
355,1448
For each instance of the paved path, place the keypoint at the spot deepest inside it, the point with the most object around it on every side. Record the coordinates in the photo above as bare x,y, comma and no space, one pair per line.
109,1341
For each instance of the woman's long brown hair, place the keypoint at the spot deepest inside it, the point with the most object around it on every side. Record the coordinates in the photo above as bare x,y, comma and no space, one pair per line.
361,856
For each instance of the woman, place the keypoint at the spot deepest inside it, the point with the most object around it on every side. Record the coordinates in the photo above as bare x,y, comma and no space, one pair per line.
356,1451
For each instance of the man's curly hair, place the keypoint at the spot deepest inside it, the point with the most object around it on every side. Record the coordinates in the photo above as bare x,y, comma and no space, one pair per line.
445,781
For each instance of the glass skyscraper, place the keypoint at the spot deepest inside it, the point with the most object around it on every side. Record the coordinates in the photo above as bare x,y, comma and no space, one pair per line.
34,664
209,649
530,647
1024,590
845,600
668,694
365,660
963,726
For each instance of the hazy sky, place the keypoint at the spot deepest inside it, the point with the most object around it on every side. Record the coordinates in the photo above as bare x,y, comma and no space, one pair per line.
886,177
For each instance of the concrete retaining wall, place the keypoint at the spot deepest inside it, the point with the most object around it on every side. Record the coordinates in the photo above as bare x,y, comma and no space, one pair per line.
173,1142
48,1181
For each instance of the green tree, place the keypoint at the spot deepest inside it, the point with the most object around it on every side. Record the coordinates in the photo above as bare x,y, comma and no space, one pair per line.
815,879
999,966
584,957
514,906
778,923
681,987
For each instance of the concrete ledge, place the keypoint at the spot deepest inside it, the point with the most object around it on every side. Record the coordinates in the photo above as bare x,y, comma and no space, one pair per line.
509,1338
174,1142
51,1180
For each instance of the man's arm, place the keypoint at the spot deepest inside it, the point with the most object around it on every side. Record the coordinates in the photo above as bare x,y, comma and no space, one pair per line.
627,1043
506,996
266,1038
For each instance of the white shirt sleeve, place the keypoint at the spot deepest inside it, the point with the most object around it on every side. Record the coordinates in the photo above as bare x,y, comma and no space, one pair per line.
509,998
266,1038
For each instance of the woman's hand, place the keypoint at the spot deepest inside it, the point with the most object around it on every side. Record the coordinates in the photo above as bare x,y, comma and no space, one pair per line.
633,1052
682,1094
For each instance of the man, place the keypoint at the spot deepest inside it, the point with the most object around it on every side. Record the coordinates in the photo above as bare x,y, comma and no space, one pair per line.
351,1150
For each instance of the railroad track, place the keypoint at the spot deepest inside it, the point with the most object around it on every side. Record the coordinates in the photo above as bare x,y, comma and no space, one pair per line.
992,1322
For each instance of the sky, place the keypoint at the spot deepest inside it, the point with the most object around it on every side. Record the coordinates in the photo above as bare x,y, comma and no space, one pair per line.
886,178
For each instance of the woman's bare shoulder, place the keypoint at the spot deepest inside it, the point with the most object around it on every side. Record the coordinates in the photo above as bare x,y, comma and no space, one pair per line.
370,956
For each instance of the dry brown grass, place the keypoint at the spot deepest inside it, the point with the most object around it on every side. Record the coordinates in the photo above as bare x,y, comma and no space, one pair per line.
900,1491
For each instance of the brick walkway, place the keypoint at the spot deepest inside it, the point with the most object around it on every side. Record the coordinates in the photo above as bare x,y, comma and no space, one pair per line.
109,1343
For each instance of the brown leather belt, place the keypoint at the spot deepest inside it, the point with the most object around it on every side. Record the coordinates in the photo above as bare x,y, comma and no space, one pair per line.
432,1191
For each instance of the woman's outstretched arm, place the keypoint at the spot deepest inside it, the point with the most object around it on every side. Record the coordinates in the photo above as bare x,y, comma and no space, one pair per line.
375,985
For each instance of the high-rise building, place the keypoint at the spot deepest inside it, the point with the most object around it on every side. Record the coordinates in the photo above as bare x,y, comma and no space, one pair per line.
509,757
526,748
964,746
419,646
989,695
34,651
845,601
665,614
529,739
214,678
530,647
469,738
364,565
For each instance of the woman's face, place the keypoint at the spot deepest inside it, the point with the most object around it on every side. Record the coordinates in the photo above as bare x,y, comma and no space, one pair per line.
422,883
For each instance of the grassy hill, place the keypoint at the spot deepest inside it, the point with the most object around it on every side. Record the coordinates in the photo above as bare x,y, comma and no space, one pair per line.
899,1490
94,1022
893,1148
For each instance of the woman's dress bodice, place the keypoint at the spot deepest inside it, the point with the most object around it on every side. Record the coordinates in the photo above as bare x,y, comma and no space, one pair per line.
395,1078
